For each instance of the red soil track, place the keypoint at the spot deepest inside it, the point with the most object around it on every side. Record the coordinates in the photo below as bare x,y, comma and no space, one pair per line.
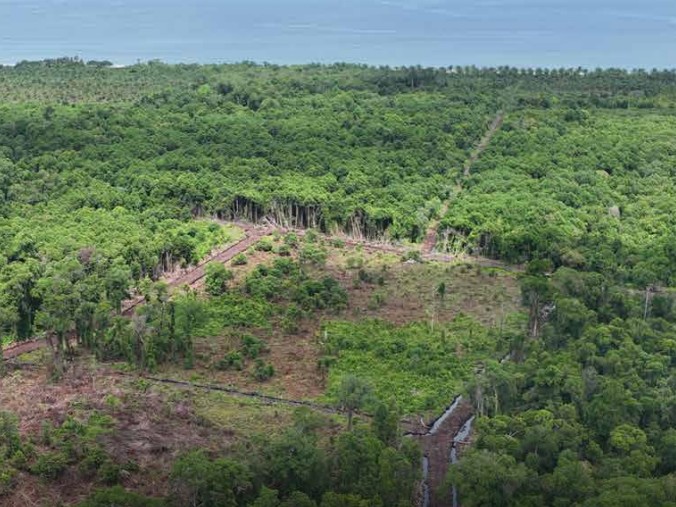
437,448
252,235
23,348
430,240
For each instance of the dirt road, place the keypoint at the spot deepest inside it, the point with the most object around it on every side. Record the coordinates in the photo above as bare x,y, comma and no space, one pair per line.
191,277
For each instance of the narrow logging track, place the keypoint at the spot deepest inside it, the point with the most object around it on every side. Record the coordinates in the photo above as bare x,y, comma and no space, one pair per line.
439,443
251,236
430,241
190,278
23,348
483,144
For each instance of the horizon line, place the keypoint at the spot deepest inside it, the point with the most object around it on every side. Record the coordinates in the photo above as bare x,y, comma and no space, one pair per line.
158,61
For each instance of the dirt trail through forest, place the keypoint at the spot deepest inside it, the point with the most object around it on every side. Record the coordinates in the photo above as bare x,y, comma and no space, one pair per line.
23,348
438,442
191,277
483,144
430,240
254,233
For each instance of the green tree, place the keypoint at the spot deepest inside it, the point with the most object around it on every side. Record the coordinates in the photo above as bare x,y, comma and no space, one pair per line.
355,463
353,393
267,498
294,463
331,499
298,499
59,302
386,423
200,482
189,315
486,478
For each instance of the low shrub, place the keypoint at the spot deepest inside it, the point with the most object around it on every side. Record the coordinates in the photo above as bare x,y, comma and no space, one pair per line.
264,245
117,496
231,361
50,465
252,346
284,250
239,260
263,371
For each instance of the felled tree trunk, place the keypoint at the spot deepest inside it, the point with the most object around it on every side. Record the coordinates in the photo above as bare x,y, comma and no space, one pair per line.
56,346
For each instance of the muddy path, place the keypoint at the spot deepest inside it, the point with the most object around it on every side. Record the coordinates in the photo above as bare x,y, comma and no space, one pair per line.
20,348
430,240
438,445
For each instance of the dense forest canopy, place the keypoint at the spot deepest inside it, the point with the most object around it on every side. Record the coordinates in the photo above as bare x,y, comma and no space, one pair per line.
604,187
111,177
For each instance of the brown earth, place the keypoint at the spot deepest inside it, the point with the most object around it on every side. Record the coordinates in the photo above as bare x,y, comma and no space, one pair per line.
409,290
152,425
408,294
147,429
437,448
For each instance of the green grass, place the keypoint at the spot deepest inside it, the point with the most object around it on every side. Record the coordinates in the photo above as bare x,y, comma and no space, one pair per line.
242,416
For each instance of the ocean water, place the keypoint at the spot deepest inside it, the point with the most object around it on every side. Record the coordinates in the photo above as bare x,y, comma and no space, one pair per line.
534,33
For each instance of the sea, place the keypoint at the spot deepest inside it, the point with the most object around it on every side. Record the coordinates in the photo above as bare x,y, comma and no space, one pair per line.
523,33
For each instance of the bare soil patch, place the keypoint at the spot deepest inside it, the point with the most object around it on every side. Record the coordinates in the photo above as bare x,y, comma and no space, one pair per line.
152,426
